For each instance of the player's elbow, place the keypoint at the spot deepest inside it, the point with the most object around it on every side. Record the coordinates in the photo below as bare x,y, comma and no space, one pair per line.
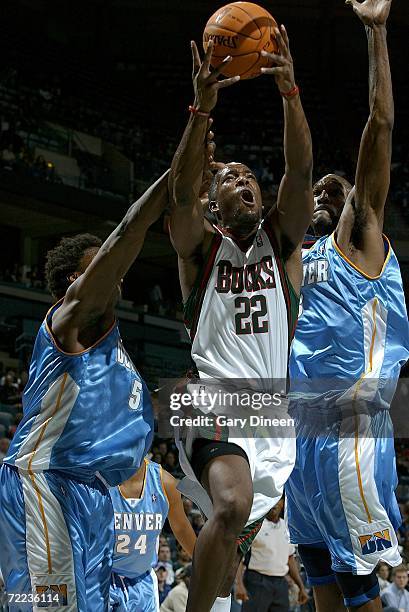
382,120
300,174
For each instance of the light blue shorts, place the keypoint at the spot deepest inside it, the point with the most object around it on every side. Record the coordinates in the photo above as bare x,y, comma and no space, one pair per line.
57,538
137,595
341,494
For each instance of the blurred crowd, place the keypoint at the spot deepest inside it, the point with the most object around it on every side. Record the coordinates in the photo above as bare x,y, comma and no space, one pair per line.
27,102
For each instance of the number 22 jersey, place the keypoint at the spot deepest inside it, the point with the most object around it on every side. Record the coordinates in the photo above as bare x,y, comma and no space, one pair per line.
242,311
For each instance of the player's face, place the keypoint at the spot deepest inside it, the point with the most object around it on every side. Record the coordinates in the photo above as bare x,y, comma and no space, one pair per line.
329,200
239,199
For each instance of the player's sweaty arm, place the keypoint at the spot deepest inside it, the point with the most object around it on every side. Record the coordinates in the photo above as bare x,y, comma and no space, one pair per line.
91,293
179,523
295,202
187,218
360,227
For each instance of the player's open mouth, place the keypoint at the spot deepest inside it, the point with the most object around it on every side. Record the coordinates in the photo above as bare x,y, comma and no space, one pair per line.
322,207
247,196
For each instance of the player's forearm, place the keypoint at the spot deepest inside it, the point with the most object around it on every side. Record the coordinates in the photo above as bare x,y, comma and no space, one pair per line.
188,162
240,574
297,140
380,80
294,572
184,534
147,209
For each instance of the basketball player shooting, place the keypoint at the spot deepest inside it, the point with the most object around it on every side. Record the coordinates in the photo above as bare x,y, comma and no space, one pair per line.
241,331
87,422
342,509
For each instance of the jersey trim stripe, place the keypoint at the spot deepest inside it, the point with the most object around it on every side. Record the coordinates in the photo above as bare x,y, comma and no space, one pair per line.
45,425
357,268
54,341
290,295
357,464
49,551
163,484
32,475
195,299
35,451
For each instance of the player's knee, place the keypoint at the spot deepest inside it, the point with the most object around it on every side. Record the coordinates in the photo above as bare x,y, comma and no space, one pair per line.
231,513
358,590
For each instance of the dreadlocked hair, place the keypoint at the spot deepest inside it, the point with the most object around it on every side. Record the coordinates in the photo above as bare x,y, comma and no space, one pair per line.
65,259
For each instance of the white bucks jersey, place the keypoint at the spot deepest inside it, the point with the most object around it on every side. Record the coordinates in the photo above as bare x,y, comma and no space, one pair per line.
242,310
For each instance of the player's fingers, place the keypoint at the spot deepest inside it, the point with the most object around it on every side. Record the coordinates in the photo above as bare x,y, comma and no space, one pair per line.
227,82
210,136
280,42
217,71
216,166
285,36
275,70
277,59
352,3
195,57
208,55
209,123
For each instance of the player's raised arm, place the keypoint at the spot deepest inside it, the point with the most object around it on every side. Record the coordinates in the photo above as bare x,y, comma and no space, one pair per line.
295,200
187,219
362,219
92,290
179,523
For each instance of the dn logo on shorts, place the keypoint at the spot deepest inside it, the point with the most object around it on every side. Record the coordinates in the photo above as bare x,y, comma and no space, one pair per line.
375,542
53,595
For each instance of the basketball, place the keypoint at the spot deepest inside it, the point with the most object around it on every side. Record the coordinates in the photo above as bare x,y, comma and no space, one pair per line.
242,30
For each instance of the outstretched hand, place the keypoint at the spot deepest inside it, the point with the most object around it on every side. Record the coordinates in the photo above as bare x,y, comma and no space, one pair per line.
371,12
210,165
283,70
205,82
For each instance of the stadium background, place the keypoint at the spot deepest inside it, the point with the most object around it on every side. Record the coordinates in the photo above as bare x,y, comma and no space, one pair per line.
93,101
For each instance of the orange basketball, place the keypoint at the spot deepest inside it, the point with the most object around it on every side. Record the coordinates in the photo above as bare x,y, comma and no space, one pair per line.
242,30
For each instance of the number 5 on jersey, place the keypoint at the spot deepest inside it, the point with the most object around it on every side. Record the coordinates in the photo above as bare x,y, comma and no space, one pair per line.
135,396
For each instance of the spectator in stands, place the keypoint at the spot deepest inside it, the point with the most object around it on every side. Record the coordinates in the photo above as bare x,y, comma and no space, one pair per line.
170,464
163,540
156,299
197,521
9,393
4,447
163,448
187,505
396,595
8,158
382,572
12,429
165,559
270,559
177,599
161,574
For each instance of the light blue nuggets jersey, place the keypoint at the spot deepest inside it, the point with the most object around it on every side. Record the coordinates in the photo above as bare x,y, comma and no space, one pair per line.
351,326
84,413
138,524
